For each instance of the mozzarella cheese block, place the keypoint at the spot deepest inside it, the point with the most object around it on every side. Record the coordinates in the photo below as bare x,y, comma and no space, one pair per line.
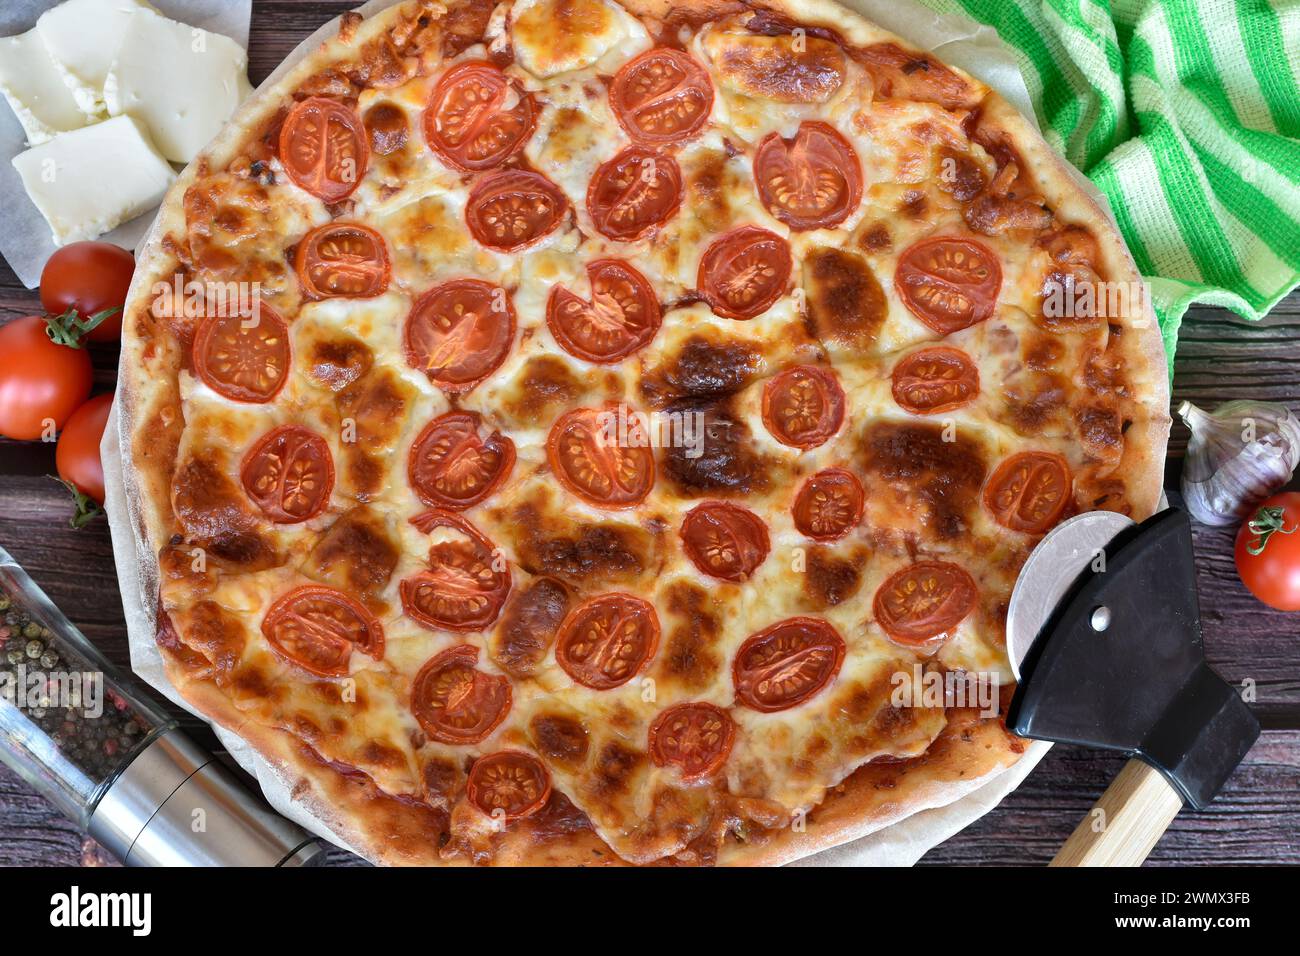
34,87
89,181
183,83
82,37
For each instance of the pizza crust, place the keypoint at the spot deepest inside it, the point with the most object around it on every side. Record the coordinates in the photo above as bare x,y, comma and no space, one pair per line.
389,830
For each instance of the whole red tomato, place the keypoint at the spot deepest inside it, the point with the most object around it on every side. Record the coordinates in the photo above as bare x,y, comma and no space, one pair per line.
90,277
1268,552
77,455
40,381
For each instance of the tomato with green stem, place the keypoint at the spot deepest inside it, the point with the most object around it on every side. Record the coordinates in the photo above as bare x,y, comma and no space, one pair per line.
41,382
85,285
77,457
1268,552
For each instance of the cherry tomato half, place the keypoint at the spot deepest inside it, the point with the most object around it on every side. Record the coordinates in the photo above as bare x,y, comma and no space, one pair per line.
455,702
694,738
621,317
662,96
948,283
724,540
935,380
596,465
324,148
634,194
90,277
477,117
344,260
318,627
923,601
40,381
744,272
786,664
289,474
813,181
605,641
509,784
803,407
1029,492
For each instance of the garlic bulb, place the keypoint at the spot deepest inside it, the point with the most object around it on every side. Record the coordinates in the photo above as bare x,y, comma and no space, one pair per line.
1238,456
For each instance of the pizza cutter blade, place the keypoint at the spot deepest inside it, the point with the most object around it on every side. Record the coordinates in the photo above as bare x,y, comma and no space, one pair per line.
1104,636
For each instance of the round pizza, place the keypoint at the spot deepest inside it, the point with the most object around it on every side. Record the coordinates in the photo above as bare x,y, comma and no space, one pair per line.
609,431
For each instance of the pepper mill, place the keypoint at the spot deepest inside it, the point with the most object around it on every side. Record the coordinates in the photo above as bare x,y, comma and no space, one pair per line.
81,733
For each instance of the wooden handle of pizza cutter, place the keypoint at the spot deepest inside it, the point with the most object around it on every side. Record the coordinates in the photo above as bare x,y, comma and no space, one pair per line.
1126,822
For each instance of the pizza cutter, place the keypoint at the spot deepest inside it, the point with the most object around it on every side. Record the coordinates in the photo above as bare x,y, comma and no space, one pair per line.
1104,636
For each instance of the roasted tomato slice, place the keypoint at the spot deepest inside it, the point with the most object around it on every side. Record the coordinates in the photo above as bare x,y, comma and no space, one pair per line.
829,505
343,259
604,642
935,380
508,785
455,702
477,117
949,284
744,272
924,601
694,738
725,541
593,458
452,466
803,406
813,181
621,317
786,664
324,148
513,209
289,474
662,96
459,333
1029,492
243,357
634,193
467,580
317,628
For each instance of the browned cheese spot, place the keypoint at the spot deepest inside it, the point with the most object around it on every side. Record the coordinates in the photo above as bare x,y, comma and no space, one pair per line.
846,304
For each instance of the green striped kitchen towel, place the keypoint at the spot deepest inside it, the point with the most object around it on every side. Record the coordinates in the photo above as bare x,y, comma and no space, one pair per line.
1186,114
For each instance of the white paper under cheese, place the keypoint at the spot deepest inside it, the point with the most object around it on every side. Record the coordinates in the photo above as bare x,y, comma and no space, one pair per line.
82,36
183,83
89,181
34,87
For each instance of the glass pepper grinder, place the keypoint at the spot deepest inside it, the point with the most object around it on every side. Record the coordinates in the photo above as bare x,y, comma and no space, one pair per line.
80,732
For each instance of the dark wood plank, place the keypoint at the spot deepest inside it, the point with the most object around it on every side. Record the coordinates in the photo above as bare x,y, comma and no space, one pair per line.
1220,357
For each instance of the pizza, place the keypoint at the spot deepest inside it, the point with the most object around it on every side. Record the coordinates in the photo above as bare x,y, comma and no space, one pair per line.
590,431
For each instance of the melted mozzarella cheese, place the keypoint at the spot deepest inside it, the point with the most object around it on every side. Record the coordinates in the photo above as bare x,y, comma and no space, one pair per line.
551,37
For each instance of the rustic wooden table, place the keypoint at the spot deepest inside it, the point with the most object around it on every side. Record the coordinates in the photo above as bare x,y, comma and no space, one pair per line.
1255,820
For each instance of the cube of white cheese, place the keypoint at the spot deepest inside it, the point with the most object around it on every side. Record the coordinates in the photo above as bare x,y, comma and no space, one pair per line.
34,87
82,37
90,181
181,82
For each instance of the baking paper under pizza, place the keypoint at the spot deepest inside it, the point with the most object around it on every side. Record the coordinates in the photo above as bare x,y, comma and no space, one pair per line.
577,432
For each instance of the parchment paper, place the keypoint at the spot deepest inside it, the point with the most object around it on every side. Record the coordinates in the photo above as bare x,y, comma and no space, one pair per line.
955,39
25,240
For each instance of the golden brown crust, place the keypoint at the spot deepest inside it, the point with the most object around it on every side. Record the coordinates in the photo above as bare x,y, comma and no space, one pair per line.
392,830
